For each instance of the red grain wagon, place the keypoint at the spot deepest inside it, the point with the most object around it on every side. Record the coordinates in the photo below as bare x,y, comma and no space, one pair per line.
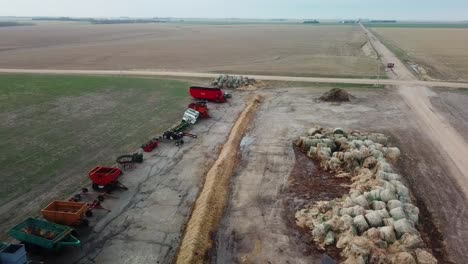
106,178
200,107
209,94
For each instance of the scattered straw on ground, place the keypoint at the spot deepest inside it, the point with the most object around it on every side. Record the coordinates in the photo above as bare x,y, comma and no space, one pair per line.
210,203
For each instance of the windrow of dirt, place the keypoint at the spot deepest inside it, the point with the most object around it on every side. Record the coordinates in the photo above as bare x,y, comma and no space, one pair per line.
209,206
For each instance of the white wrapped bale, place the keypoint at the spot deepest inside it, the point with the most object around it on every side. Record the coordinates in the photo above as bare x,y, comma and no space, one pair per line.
388,185
392,204
387,195
369,162
403,226
387,234
374,219
397,213
360,223
377,205
347,222
314,131
384,166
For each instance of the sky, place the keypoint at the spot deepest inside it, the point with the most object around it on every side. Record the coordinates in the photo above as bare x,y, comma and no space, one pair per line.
263,9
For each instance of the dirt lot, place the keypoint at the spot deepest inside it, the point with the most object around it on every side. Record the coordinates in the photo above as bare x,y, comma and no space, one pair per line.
258,226
441,52
279,50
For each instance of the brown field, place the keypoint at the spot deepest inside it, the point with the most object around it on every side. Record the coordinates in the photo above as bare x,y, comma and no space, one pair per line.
442,52
255,49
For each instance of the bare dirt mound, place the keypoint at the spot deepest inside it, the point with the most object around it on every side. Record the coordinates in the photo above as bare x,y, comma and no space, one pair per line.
336,95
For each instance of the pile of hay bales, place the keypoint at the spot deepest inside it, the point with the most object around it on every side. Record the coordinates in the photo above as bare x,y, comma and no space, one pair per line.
336,95
226,81
376,221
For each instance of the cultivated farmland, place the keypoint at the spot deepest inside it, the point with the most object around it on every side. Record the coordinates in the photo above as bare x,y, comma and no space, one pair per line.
441,52
295,49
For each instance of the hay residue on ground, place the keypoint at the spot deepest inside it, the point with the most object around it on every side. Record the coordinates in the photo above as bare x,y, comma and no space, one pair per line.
210,204
336,95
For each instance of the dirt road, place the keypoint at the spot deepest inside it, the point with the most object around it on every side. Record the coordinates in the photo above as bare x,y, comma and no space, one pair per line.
446,139
395,81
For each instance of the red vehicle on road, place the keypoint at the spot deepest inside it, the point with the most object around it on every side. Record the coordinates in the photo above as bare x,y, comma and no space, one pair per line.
209,94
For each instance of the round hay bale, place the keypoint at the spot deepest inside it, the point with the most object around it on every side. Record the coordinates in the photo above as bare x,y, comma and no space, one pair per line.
392,154
424,257
411,241
388,221
393,204
369,162
412,212
353,211
335,95
383,213
360,223
403,226
340,131
403,258
361,201
397,213
387,195
329,238
374,219
377,205
387,234
401,189
320,231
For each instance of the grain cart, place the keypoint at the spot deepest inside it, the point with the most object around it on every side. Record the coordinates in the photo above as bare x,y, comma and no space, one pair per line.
37,233
105,179
67,213
209,94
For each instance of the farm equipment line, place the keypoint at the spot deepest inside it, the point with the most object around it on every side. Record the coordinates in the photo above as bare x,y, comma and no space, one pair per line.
56,232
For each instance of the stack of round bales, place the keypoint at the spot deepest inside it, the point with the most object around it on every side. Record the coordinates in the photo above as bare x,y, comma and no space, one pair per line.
375,222
226,81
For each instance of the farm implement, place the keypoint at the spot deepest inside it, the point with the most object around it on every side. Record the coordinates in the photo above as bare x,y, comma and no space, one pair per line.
37,233
67,213
209,94
128,161
105,179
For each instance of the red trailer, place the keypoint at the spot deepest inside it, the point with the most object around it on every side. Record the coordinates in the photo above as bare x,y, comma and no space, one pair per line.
200,107
105,178
209,94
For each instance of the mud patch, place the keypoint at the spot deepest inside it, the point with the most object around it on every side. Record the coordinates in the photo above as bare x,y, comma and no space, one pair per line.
308,184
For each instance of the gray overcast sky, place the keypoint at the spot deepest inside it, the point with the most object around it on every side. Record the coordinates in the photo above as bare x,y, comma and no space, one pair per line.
322,9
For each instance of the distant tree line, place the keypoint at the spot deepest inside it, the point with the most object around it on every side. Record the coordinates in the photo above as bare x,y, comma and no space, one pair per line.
13,24
102,21
383,21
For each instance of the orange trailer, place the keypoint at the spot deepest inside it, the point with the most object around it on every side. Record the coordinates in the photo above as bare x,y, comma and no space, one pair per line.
67,213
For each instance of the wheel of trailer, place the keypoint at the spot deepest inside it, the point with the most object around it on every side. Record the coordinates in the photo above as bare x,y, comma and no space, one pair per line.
77,197
100,188
181,141
101,198
84,190
89,213
84,222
